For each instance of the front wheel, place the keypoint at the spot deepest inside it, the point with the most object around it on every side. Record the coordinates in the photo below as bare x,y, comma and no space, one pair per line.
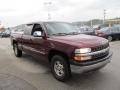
17,51
60,68
110,38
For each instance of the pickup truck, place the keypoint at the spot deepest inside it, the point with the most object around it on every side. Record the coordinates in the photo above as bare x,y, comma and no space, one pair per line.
62,46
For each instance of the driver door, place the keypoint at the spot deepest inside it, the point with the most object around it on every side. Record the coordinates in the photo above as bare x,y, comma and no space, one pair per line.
38,43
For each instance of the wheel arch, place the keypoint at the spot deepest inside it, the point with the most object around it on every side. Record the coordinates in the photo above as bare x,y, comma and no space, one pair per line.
57,52
14,42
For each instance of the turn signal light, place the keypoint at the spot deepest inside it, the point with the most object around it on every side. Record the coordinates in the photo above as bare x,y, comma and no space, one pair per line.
82,58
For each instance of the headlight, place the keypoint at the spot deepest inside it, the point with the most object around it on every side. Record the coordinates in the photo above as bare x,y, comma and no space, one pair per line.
83,50
78,53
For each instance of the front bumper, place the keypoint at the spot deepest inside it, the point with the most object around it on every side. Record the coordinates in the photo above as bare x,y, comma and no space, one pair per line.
88,66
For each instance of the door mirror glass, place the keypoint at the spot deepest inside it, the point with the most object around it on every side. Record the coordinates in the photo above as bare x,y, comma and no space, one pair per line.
37,34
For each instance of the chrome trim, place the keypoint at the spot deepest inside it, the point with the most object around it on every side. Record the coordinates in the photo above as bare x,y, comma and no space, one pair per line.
81,69
94,53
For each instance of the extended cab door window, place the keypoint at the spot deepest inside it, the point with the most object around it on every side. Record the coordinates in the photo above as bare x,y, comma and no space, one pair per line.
26,42
28,29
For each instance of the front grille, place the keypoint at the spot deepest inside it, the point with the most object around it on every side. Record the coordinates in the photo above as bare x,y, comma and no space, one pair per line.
100,56
101,47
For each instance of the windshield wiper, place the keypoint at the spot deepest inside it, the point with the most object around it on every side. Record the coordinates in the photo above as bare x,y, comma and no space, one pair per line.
60,34
63,34
73,33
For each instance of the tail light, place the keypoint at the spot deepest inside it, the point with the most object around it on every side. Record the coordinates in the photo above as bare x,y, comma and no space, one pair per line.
100,33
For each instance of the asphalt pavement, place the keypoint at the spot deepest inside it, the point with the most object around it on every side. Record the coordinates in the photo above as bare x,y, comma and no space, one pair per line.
28,73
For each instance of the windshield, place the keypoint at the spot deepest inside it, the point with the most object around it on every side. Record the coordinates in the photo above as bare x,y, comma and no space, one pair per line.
104,29
60,28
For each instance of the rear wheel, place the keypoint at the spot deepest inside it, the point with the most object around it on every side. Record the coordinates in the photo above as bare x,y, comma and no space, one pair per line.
60,68
17,51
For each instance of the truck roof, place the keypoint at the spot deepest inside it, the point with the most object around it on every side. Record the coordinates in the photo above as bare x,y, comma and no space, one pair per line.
47,22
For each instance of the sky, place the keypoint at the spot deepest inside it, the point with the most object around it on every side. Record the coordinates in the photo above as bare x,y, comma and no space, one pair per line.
15,12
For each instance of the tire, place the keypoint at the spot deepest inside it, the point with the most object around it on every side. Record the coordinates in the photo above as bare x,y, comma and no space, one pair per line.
110,38
60,68
17,51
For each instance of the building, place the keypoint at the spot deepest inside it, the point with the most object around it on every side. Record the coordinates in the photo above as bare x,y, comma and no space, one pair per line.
111,22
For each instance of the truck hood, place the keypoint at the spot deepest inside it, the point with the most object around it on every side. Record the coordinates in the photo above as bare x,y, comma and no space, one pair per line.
81,40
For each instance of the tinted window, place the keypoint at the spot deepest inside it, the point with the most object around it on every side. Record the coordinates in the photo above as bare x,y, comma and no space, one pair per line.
106,30
116,29
19,28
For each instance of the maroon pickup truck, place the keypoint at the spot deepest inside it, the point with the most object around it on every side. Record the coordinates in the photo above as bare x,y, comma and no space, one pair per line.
62,46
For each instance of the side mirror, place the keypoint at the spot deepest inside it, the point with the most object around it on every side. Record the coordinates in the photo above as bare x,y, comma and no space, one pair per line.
37,34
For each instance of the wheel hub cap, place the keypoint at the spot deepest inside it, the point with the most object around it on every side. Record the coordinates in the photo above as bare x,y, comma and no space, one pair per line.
58,68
